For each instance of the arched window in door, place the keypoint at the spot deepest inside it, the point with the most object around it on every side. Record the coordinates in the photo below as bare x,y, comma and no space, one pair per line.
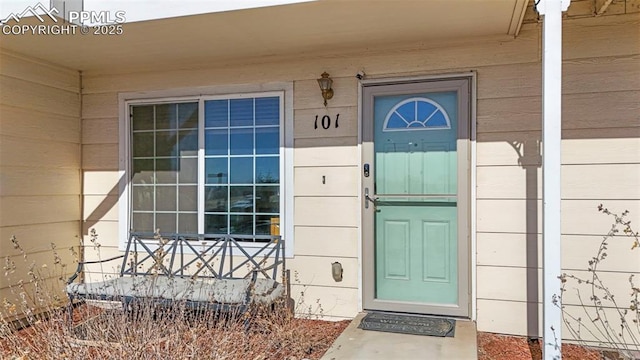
418,113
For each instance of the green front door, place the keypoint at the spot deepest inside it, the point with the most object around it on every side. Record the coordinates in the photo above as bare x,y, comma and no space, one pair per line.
412,194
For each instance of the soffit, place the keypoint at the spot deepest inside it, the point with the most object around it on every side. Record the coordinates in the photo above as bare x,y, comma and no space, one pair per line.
321,27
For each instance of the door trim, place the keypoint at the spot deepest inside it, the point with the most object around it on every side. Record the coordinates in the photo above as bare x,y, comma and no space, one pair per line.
464,83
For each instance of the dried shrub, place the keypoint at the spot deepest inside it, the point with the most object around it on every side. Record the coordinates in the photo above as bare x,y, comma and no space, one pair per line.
605,319
35,325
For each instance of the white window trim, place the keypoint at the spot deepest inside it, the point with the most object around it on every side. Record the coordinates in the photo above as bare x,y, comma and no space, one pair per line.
200,94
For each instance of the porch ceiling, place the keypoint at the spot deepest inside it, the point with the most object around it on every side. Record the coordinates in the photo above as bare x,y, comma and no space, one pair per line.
313,29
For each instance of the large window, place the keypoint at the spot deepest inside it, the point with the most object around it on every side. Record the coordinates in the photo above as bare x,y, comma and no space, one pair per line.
207,165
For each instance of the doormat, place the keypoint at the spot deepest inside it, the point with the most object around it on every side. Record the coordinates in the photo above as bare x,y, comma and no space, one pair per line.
408,324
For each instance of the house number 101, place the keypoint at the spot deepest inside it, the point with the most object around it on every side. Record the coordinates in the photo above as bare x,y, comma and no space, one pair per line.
325,122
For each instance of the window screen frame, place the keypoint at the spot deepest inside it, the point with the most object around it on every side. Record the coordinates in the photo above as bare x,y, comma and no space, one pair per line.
284,91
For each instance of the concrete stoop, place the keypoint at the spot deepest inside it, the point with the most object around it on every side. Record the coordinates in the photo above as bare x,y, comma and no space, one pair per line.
356,344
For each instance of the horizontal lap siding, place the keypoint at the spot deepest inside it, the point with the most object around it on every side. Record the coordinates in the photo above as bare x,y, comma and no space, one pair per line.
512,322
40,179
601,142
520,250
601,164
326,183
100,153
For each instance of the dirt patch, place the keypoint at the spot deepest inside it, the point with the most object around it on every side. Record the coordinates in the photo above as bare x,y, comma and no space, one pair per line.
503,347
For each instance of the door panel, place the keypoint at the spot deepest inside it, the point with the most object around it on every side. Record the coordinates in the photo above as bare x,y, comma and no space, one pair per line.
414,137
416,259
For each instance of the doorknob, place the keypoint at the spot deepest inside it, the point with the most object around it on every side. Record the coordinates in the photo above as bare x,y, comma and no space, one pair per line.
368,198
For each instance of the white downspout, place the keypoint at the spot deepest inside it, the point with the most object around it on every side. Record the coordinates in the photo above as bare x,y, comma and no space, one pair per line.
551,144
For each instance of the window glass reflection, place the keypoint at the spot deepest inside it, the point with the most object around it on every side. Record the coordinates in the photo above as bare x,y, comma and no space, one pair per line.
241,142
267,140
216,199
241,224
216,113
240,112
267,199
216,224
267,170
188,142
268,111
241,199
216,142
166,116
216,171
142,118
241,171
188,116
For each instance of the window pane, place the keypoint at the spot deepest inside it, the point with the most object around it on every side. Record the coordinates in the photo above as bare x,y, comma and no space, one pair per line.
241,171
215,224
142,198
216,113
241,190
241,142
188,142
268,170
216,171
142,117
268,199
143,144
142,171
241,199
187,198
165,198
216,199
188,223
166,223
188,116
267,225
188,171
166,143
216,142
166,171
267,140
166,116
142,222
268,111
241,224
241,112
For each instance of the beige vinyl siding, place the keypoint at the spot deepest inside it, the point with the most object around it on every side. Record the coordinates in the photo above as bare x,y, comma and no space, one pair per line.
40,179
601,164
601,142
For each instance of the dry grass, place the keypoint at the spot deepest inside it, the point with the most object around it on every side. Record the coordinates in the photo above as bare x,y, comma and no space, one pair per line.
145,331
172,334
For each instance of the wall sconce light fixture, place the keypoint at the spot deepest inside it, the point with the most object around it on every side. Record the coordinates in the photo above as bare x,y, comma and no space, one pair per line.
325,83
